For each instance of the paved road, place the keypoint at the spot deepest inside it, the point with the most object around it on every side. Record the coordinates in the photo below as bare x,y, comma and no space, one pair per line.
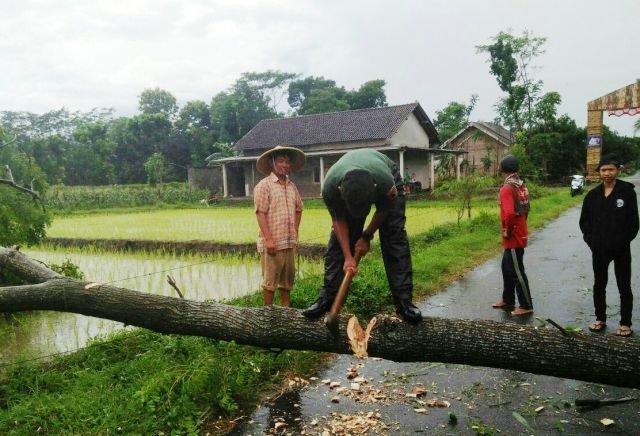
484,400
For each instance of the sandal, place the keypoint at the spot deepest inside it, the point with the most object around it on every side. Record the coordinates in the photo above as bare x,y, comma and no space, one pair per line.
501,304
624,331
597,326
521,311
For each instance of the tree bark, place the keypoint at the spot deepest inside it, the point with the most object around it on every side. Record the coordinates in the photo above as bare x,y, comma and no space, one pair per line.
592,358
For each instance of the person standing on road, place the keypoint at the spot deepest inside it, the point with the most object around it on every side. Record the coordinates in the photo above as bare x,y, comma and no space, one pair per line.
609,222
514,211
278,209
357,180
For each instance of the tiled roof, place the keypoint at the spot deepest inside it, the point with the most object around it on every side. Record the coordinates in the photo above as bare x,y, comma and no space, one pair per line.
505,136
334,127
494,130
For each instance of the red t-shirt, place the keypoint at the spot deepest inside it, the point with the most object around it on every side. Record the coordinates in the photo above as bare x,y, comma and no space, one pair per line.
511,224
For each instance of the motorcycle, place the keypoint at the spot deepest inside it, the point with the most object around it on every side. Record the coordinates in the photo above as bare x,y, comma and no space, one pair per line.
577,185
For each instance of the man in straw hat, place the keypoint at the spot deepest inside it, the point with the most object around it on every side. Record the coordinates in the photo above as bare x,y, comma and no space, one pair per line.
609,222
278,210
357,180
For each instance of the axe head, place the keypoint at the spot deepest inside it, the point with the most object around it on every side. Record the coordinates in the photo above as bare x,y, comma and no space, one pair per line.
332,322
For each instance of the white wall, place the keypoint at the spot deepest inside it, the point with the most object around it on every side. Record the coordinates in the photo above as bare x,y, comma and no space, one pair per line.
410,134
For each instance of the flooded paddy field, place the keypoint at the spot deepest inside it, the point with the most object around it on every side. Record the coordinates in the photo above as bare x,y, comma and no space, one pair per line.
200,277
228,225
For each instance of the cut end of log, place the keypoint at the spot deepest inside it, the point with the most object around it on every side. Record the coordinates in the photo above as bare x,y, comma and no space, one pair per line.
358,338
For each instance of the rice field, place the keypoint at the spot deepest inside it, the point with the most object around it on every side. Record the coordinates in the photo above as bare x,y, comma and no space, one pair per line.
221,224
199,277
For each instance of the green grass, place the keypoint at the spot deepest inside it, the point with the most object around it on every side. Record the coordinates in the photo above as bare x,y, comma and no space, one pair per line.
230,224
144,382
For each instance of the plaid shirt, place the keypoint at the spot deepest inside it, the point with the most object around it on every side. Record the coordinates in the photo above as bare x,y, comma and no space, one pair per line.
280,203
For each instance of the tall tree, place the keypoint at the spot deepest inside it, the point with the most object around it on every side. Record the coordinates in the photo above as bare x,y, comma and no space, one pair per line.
153,101
453,118
194,124
313,95
22,219
237,111
272,84
510,58
91,157
370,94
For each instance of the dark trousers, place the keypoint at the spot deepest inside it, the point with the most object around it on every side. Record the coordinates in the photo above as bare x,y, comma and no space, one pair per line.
515,279
395,253
622,266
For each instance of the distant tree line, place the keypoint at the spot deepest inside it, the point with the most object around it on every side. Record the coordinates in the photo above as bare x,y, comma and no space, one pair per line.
163,139
550,146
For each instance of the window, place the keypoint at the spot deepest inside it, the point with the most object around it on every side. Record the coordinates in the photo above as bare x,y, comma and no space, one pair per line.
316,174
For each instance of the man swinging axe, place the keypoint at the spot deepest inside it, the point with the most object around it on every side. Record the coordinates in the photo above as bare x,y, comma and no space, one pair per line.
357,180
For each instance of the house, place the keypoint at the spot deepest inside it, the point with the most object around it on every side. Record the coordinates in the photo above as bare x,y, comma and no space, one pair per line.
404,133
484,144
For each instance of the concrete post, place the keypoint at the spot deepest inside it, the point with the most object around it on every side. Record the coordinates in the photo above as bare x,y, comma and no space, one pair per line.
321,173
432,172
225,188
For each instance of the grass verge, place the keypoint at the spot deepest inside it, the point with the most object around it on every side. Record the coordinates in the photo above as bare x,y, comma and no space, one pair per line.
143,382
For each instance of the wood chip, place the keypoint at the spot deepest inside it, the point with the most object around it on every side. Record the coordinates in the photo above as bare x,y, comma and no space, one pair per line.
607,422
539,409
92,285
421,410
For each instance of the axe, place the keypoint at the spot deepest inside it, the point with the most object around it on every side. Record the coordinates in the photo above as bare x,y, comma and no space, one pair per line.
331,320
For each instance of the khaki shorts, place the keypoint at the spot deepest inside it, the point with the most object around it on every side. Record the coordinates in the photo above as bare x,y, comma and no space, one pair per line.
278,270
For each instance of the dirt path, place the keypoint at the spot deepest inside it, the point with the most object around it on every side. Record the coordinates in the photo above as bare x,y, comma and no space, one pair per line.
389,398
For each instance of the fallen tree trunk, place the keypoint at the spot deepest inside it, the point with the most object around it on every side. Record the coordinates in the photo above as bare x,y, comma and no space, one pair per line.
593,358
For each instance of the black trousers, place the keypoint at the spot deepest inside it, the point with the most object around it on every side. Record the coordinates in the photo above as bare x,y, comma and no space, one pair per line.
395,253
515,279
622,267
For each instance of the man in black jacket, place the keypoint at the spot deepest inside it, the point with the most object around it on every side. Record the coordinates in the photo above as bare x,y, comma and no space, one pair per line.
609,222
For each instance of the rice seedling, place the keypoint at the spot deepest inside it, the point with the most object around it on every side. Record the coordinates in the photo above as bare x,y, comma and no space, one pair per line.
230,225
200,277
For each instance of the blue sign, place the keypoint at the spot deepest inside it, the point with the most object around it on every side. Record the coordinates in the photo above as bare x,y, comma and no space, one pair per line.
594,140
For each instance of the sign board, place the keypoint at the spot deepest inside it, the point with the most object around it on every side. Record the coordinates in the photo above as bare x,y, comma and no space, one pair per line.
594,140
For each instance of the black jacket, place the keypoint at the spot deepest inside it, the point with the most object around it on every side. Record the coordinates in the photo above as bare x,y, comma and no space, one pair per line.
609,223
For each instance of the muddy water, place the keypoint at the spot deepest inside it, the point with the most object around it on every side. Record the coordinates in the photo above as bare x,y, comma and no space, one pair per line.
200,278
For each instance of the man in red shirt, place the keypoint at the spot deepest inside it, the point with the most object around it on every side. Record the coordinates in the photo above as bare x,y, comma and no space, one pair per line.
514,210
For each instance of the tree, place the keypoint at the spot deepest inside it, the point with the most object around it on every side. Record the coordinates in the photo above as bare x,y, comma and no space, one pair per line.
137,138
237,111
325,100
484,343
156,168
370,94
313,95
153,101
547,108
22,184
636,126
557,148
90,160
272,84
453,118
300,91
194,124
510,58
465,190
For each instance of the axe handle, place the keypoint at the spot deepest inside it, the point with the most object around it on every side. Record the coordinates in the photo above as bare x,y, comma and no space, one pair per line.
342,291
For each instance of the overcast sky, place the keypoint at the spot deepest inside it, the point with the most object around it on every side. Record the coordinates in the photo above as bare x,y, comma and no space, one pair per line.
84,54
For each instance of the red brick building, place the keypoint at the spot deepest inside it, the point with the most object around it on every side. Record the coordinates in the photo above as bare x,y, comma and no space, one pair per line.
484,145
